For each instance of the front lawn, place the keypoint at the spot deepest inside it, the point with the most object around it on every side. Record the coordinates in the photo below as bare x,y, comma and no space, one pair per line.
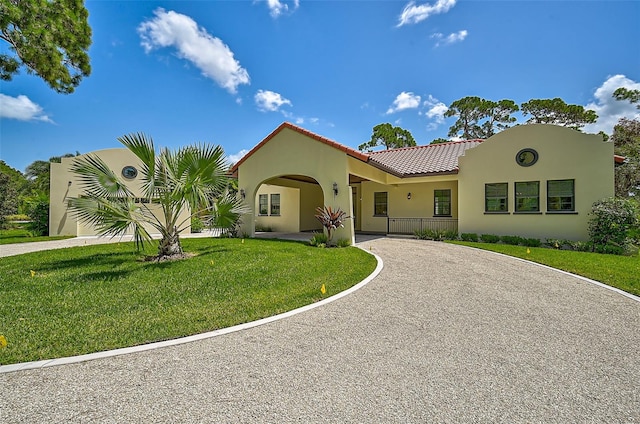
622,272
86,299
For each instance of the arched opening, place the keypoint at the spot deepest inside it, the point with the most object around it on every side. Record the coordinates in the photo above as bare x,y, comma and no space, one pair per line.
287,204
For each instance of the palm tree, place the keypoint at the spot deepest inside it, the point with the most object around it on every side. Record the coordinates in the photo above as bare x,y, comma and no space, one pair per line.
193,178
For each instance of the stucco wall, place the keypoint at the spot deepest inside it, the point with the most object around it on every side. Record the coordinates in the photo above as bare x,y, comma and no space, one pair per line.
421,204
563,154
289,218
64,184
291,153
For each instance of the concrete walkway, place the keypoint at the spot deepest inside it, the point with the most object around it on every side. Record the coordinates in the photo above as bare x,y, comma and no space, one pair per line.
444,334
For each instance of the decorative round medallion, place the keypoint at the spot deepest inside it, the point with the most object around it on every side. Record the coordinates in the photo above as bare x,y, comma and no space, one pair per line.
526,157
129,172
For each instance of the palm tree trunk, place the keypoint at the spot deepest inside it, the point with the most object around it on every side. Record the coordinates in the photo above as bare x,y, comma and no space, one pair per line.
170,244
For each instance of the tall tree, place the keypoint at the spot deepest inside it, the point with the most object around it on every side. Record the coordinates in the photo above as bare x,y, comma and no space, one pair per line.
557,112
193,177
8,197
388,136
626,140
498,116
627,94
38,173
470,112
50,38
480,118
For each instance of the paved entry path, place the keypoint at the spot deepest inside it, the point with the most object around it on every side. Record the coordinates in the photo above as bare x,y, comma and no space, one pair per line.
444,334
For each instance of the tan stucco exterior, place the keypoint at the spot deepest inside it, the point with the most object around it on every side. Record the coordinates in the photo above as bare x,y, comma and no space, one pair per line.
305,166
64,184
563,154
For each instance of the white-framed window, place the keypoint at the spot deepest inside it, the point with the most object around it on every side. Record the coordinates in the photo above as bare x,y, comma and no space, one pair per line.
275,204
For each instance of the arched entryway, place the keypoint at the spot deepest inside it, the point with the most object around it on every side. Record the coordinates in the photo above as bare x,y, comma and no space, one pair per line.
288,204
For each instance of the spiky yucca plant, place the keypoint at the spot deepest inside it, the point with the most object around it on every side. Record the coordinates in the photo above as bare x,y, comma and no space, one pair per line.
191,178
330,219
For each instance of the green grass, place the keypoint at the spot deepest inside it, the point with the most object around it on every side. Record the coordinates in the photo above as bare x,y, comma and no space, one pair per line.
93,298
622,272
24,236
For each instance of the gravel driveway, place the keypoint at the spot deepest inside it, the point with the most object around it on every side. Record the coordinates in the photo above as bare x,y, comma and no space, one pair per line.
444,334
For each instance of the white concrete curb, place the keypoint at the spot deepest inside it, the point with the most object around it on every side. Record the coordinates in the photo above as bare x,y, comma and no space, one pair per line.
188,339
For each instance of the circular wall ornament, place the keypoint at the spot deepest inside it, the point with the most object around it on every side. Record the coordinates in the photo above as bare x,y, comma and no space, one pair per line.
129,172
526,157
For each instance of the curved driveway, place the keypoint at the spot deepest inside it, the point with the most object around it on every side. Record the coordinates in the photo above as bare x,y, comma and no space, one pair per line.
444,334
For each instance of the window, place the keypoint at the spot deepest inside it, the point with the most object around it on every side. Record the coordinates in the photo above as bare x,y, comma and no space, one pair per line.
442,202
380,203
263,208
561,196
275,204
496,197
528,196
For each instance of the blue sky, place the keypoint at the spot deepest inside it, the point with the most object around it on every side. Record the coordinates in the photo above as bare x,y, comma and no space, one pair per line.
230,72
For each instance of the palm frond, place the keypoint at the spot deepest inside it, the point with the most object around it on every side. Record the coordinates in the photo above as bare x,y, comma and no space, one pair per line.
113,217
97,179
142,146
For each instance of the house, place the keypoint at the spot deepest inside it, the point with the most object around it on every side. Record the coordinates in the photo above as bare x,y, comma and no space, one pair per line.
64,184
530,180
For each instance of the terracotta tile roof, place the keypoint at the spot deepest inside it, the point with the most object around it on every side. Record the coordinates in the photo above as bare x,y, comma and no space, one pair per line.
422,160
348,150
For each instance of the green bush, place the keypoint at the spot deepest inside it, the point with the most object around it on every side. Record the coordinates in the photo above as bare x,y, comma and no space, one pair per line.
512,240
489,238
39,213
344,242
469,237
531,242
196,225
437,235
613,222
318,240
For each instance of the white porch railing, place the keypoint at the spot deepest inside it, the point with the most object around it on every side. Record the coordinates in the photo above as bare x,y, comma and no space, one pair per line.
410,225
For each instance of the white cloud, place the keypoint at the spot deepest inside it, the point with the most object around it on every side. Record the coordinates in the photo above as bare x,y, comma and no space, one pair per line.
278,7
269,101
454,37
435,111
404,101
610,110
413,14
194,44
21,108
233,159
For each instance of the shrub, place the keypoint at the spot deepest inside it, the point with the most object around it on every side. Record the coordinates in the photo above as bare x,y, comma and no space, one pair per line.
612,224
424,234
331,219
489,238
438,235
265,229
196,225
39,224
469,236
512,240
531,242
554,243
318,240
344,242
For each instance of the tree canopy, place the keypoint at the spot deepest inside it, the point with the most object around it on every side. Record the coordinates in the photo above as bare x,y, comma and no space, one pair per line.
388,136
50,38
557,112
626,140
480,118
627,94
